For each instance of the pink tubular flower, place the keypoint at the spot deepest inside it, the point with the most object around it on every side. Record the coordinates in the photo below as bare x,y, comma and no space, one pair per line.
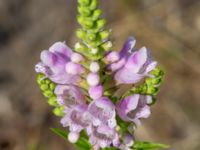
133,65
102,112
133,108
123,54
53,64
103,136
69,95
76,118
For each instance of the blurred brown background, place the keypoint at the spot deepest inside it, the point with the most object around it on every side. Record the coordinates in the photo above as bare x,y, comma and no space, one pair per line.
170,28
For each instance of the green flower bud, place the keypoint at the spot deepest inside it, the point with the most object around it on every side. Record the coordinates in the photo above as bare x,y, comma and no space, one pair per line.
58,111
96,14
91,36
80,33
52,86
84,2
44,87
80,47
52,101
156,81
85,22
84,11
48,94
107,45
104,34
47,81
93,5
152,90
100,24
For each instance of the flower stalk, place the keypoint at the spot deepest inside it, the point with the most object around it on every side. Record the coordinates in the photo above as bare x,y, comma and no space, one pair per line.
100,94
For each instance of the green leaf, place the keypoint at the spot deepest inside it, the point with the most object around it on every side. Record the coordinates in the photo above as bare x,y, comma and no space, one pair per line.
148,146
83,144
63,134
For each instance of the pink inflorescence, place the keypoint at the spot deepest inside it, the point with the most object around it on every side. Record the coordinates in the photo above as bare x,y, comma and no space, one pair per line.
93,94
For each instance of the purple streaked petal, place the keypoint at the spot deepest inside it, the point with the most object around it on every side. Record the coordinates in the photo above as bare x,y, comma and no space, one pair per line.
76,118
133,108
62,49
103,136
41,68
125,76
102,111
136,61
117,65
127,47
69,95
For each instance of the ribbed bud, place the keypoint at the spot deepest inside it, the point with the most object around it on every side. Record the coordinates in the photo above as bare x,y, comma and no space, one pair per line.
85,22
80,33
84,11
104,34
107,45
58,111
93,5
84,2
96,14
100,23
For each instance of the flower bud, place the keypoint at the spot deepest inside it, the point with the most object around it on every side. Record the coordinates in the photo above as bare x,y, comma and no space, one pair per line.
94,67
73,137
73,68
101,23
104,34
84,2
80,33
80,46
76,57
93,5
93,79
96,92
107,46
84,11
58,111
96,14
112,57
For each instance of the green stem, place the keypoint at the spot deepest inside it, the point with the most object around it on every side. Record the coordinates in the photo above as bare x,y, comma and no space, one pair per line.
92,34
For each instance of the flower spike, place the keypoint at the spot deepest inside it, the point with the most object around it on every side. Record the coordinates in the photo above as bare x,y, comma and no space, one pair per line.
100,94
